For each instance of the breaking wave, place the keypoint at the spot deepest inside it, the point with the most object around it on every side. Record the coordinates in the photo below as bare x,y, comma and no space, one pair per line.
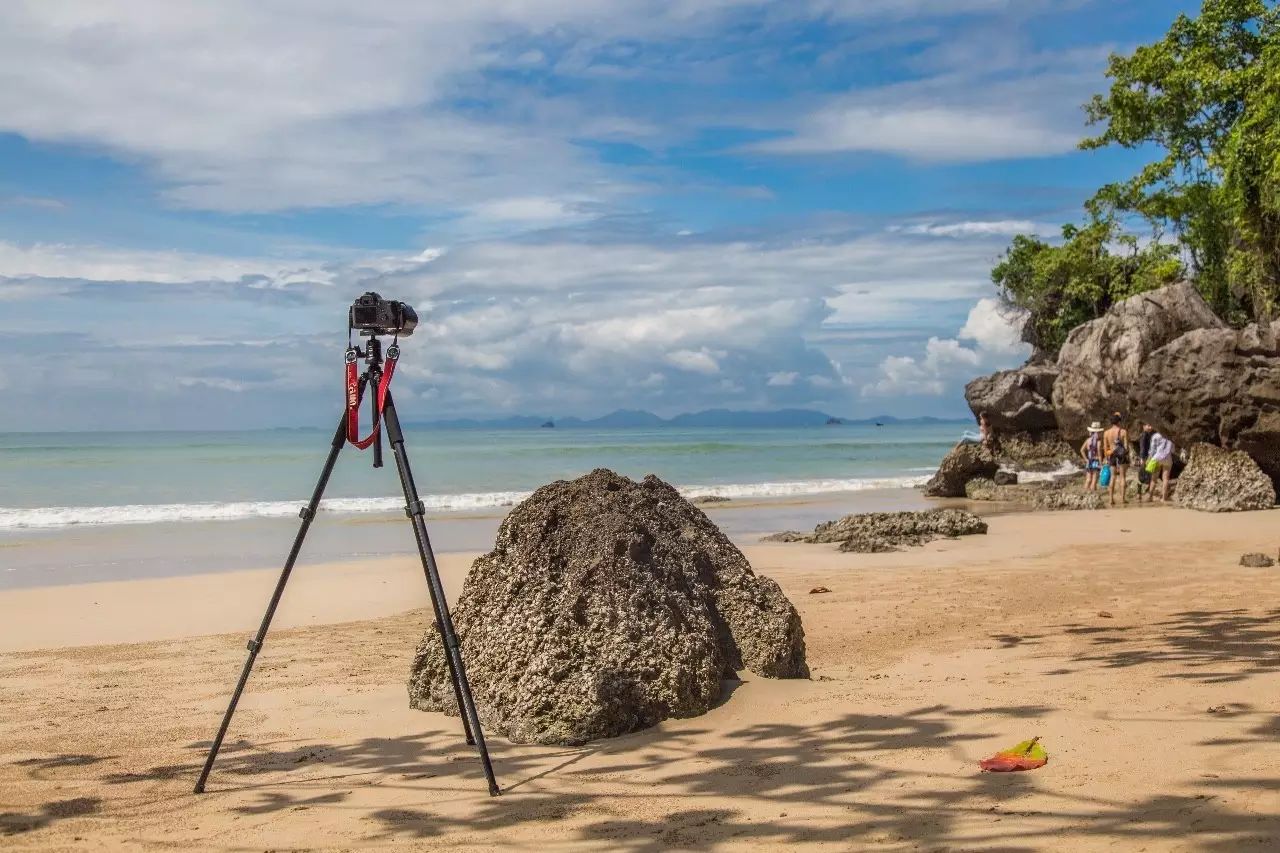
48,517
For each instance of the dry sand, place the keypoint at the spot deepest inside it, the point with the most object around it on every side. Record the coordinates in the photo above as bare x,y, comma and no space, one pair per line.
1130,641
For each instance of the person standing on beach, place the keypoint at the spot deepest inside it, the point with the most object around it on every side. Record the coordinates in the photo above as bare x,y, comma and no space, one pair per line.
1161,453
1115,449
1146,482
1091,452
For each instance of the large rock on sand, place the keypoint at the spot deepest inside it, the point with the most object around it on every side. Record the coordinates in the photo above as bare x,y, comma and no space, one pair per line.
1220,386
1104,363
962,464
605,607
877,532
1217,480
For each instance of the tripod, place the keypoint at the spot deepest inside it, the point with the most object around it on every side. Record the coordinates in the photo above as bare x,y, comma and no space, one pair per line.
384,410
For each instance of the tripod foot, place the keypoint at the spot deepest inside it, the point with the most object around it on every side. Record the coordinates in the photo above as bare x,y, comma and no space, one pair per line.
494,790
199,787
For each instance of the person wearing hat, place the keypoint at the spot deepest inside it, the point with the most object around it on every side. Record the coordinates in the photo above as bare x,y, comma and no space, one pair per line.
1161,464
1091,452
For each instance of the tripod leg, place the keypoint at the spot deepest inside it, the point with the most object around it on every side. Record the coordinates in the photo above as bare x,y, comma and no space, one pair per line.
255,645
452,653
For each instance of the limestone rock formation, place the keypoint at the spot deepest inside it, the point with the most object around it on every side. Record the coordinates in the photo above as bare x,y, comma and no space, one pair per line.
1220,386
606,606
1105,362
876,532
963,463
1019,407
1217,480
1016,401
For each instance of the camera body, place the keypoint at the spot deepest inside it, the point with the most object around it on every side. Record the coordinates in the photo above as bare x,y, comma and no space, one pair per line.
377,316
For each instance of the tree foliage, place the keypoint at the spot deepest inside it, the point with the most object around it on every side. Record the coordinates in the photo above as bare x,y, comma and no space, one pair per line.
1065,285
1206,100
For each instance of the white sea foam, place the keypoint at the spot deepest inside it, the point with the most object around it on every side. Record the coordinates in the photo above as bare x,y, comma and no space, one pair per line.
800,488
1040,476
48,517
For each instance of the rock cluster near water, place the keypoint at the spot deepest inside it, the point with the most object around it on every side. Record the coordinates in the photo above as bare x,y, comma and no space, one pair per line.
606,606
877,532
1162,357
1217,480
962,464
1057,494
1019,407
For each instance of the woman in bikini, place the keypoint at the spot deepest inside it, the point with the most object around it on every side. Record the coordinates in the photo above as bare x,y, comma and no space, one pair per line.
1091,452
1115,449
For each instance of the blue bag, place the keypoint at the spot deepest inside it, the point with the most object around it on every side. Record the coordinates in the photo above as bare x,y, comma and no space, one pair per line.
1104,479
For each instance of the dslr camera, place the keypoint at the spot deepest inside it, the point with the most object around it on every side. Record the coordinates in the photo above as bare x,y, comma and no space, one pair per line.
374,315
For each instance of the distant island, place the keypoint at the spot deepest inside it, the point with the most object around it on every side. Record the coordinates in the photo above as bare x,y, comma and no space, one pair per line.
637,419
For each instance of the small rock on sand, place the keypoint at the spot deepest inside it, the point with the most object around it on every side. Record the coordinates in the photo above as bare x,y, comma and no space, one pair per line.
878,532
1256,561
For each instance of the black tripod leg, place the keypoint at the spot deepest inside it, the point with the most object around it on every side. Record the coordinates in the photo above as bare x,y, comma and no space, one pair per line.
452,653
255,645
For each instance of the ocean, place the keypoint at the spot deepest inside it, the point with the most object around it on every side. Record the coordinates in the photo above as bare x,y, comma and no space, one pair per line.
88,506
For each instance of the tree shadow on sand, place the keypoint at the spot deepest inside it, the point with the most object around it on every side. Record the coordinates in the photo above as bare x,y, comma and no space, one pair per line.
1213,647
905,779
13,823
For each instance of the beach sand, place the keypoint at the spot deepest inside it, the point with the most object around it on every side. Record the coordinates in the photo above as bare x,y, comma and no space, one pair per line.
1130,641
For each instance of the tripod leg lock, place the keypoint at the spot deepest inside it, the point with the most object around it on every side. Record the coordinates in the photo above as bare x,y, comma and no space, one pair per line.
415,508
306,514
254,646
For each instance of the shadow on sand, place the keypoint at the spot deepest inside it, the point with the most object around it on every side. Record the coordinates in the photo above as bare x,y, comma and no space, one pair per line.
1213,647
856,780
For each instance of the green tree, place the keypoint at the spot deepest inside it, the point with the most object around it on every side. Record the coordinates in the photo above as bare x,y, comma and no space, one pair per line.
1065,285
1204,97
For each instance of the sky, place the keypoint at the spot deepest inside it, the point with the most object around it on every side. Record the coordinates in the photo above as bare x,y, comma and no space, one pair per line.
592,205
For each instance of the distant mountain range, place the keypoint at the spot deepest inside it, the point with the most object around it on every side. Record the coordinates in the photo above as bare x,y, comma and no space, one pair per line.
636,419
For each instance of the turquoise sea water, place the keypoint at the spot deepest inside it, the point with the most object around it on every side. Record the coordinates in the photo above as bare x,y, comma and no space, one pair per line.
110,506
52,481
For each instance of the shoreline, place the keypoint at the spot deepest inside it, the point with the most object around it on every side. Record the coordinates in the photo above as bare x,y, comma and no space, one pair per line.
1134,645
106,553
186,605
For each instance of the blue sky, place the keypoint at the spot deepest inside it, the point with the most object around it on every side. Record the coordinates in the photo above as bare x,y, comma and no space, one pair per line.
663,205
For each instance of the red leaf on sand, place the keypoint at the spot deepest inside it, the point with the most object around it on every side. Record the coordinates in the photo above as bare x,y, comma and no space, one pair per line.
1027,755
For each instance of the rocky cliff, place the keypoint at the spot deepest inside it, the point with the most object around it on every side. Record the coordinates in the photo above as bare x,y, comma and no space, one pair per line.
1162,356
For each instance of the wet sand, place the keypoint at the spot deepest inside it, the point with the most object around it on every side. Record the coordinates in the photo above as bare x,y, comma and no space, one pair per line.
1130,641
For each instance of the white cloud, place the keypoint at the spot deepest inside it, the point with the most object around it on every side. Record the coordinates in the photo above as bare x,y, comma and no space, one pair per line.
393,101
700,361
979,104
567,325
947,363
214,382
939,133
975,228
101,263
995,328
